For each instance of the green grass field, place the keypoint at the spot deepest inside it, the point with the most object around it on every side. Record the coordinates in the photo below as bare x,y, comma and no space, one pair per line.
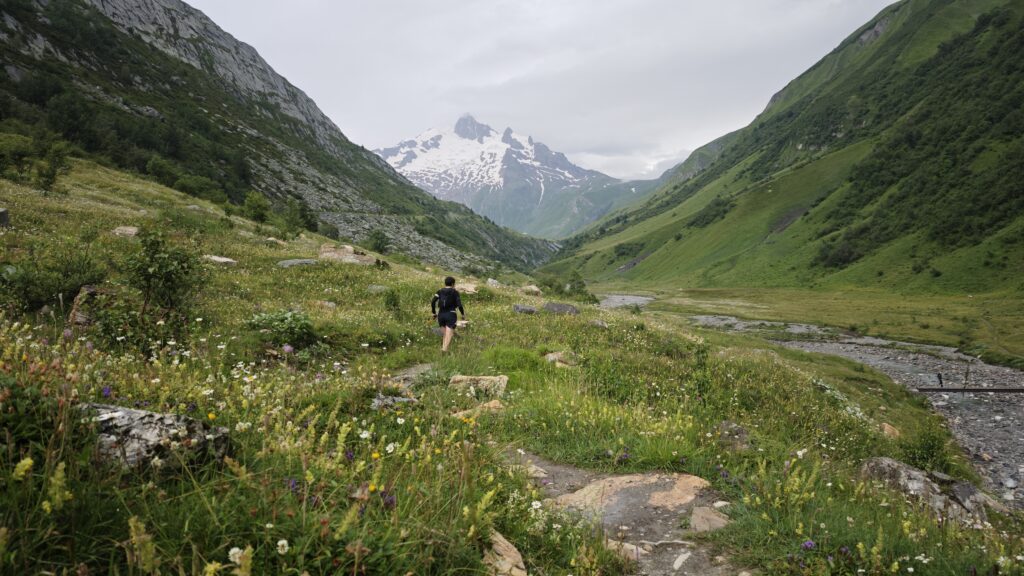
412,489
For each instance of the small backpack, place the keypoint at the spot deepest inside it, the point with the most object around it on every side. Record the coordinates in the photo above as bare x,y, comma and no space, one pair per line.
445,300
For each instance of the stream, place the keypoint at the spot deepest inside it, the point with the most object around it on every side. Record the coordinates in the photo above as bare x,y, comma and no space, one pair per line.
988,425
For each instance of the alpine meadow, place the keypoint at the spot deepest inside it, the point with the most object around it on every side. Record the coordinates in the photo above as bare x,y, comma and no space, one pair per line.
799,351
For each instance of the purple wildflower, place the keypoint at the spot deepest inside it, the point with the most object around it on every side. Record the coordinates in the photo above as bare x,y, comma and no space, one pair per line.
68,334
107,392
350,455
389,500
88,346
808,545
287,349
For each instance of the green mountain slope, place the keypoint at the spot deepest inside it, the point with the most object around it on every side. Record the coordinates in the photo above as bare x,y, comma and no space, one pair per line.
155,87
895,162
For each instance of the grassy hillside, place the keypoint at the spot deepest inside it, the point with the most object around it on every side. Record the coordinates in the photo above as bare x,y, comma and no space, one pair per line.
290,359
74,79
892,165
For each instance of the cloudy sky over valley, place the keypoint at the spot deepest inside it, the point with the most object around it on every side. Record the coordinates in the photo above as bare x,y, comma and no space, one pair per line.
619,86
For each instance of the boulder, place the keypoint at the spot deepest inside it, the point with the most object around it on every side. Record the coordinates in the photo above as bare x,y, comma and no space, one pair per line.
562,309
137,438
625,550
532,290
733,436
462,323
376,289
345,254
326,304
381,401
466,288
491,407
126,231
297,262
221,260
561,359
5,218
502,558
523,309
916,484
890,431
276,241
79,309
487,385
705,519
493,283
409,376
598,324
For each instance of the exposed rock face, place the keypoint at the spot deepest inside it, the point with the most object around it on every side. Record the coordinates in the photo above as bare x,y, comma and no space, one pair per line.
80,309
139,438
704,519
503,559
345,254
491,407
486,385
561,309
966,505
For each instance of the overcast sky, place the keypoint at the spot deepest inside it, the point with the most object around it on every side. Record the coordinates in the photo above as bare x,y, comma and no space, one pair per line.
621,86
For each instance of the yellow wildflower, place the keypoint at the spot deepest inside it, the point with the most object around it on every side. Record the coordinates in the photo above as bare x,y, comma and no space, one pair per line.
21,469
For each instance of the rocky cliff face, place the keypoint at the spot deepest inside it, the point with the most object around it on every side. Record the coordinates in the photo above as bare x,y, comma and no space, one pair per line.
291,148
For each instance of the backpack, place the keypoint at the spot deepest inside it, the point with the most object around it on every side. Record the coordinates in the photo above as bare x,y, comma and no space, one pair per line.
445,299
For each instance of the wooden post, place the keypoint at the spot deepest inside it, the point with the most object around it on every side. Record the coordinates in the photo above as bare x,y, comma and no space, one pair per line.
5,219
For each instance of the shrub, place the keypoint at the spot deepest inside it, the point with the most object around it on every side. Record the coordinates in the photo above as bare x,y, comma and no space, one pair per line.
168,277
393,302
56,277
285,327
378,242
256,207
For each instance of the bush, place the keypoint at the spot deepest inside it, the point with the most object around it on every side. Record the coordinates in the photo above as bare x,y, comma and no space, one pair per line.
168,277
285,327
256,207
328,230
378,242
54,278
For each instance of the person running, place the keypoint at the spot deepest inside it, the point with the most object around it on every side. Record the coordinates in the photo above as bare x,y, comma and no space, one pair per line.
443,307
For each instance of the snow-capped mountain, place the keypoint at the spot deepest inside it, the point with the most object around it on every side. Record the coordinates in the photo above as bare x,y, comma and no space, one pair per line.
510,178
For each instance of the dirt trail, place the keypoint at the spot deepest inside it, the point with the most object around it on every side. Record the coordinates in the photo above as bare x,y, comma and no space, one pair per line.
988,425
650,518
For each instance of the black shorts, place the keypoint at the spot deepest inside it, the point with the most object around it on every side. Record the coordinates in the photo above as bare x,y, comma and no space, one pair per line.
447,319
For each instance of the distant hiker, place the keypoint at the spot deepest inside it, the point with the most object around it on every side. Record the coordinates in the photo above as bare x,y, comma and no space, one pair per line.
443,307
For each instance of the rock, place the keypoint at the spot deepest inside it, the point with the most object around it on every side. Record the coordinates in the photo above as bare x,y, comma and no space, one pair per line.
523,309
223,261
5,218
194,207
138,437
297,262
1009,483
466,288
599,324
890,431
986,457
376,289
561,359
733,436
718,505
503,559
704,519
625,550
79,309
326,304
532,290
669,492
462,323
491,407
126,231
345,254
488,385
272,240
406,378
382,401
941,478
974,500
915,483
563,309
493,283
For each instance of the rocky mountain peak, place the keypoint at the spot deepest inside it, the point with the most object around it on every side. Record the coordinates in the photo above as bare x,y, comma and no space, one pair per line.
467,127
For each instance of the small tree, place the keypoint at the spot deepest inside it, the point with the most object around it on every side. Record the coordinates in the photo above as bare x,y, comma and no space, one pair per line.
256,207
378,242
167,276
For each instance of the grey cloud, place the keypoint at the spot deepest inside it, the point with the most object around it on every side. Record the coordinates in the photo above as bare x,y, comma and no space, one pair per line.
618,85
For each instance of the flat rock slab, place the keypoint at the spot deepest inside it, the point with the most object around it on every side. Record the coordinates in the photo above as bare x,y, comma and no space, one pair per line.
297,262
346,255
466,288
532,290
492,407
407,377
485,385
126,231
705,519
523,309
221,260
562,309
139,438
642,514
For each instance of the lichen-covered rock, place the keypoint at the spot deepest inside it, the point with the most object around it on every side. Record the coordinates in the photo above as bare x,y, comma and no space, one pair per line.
599,324
916,484
139,438
486,385
561,359
523,309
345,254
80,315
493,283
705,519
126,231
562,309
491,407
532,290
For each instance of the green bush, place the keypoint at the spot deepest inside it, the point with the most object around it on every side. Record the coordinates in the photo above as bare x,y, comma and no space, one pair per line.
378,242
285,327
52,279
168,277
